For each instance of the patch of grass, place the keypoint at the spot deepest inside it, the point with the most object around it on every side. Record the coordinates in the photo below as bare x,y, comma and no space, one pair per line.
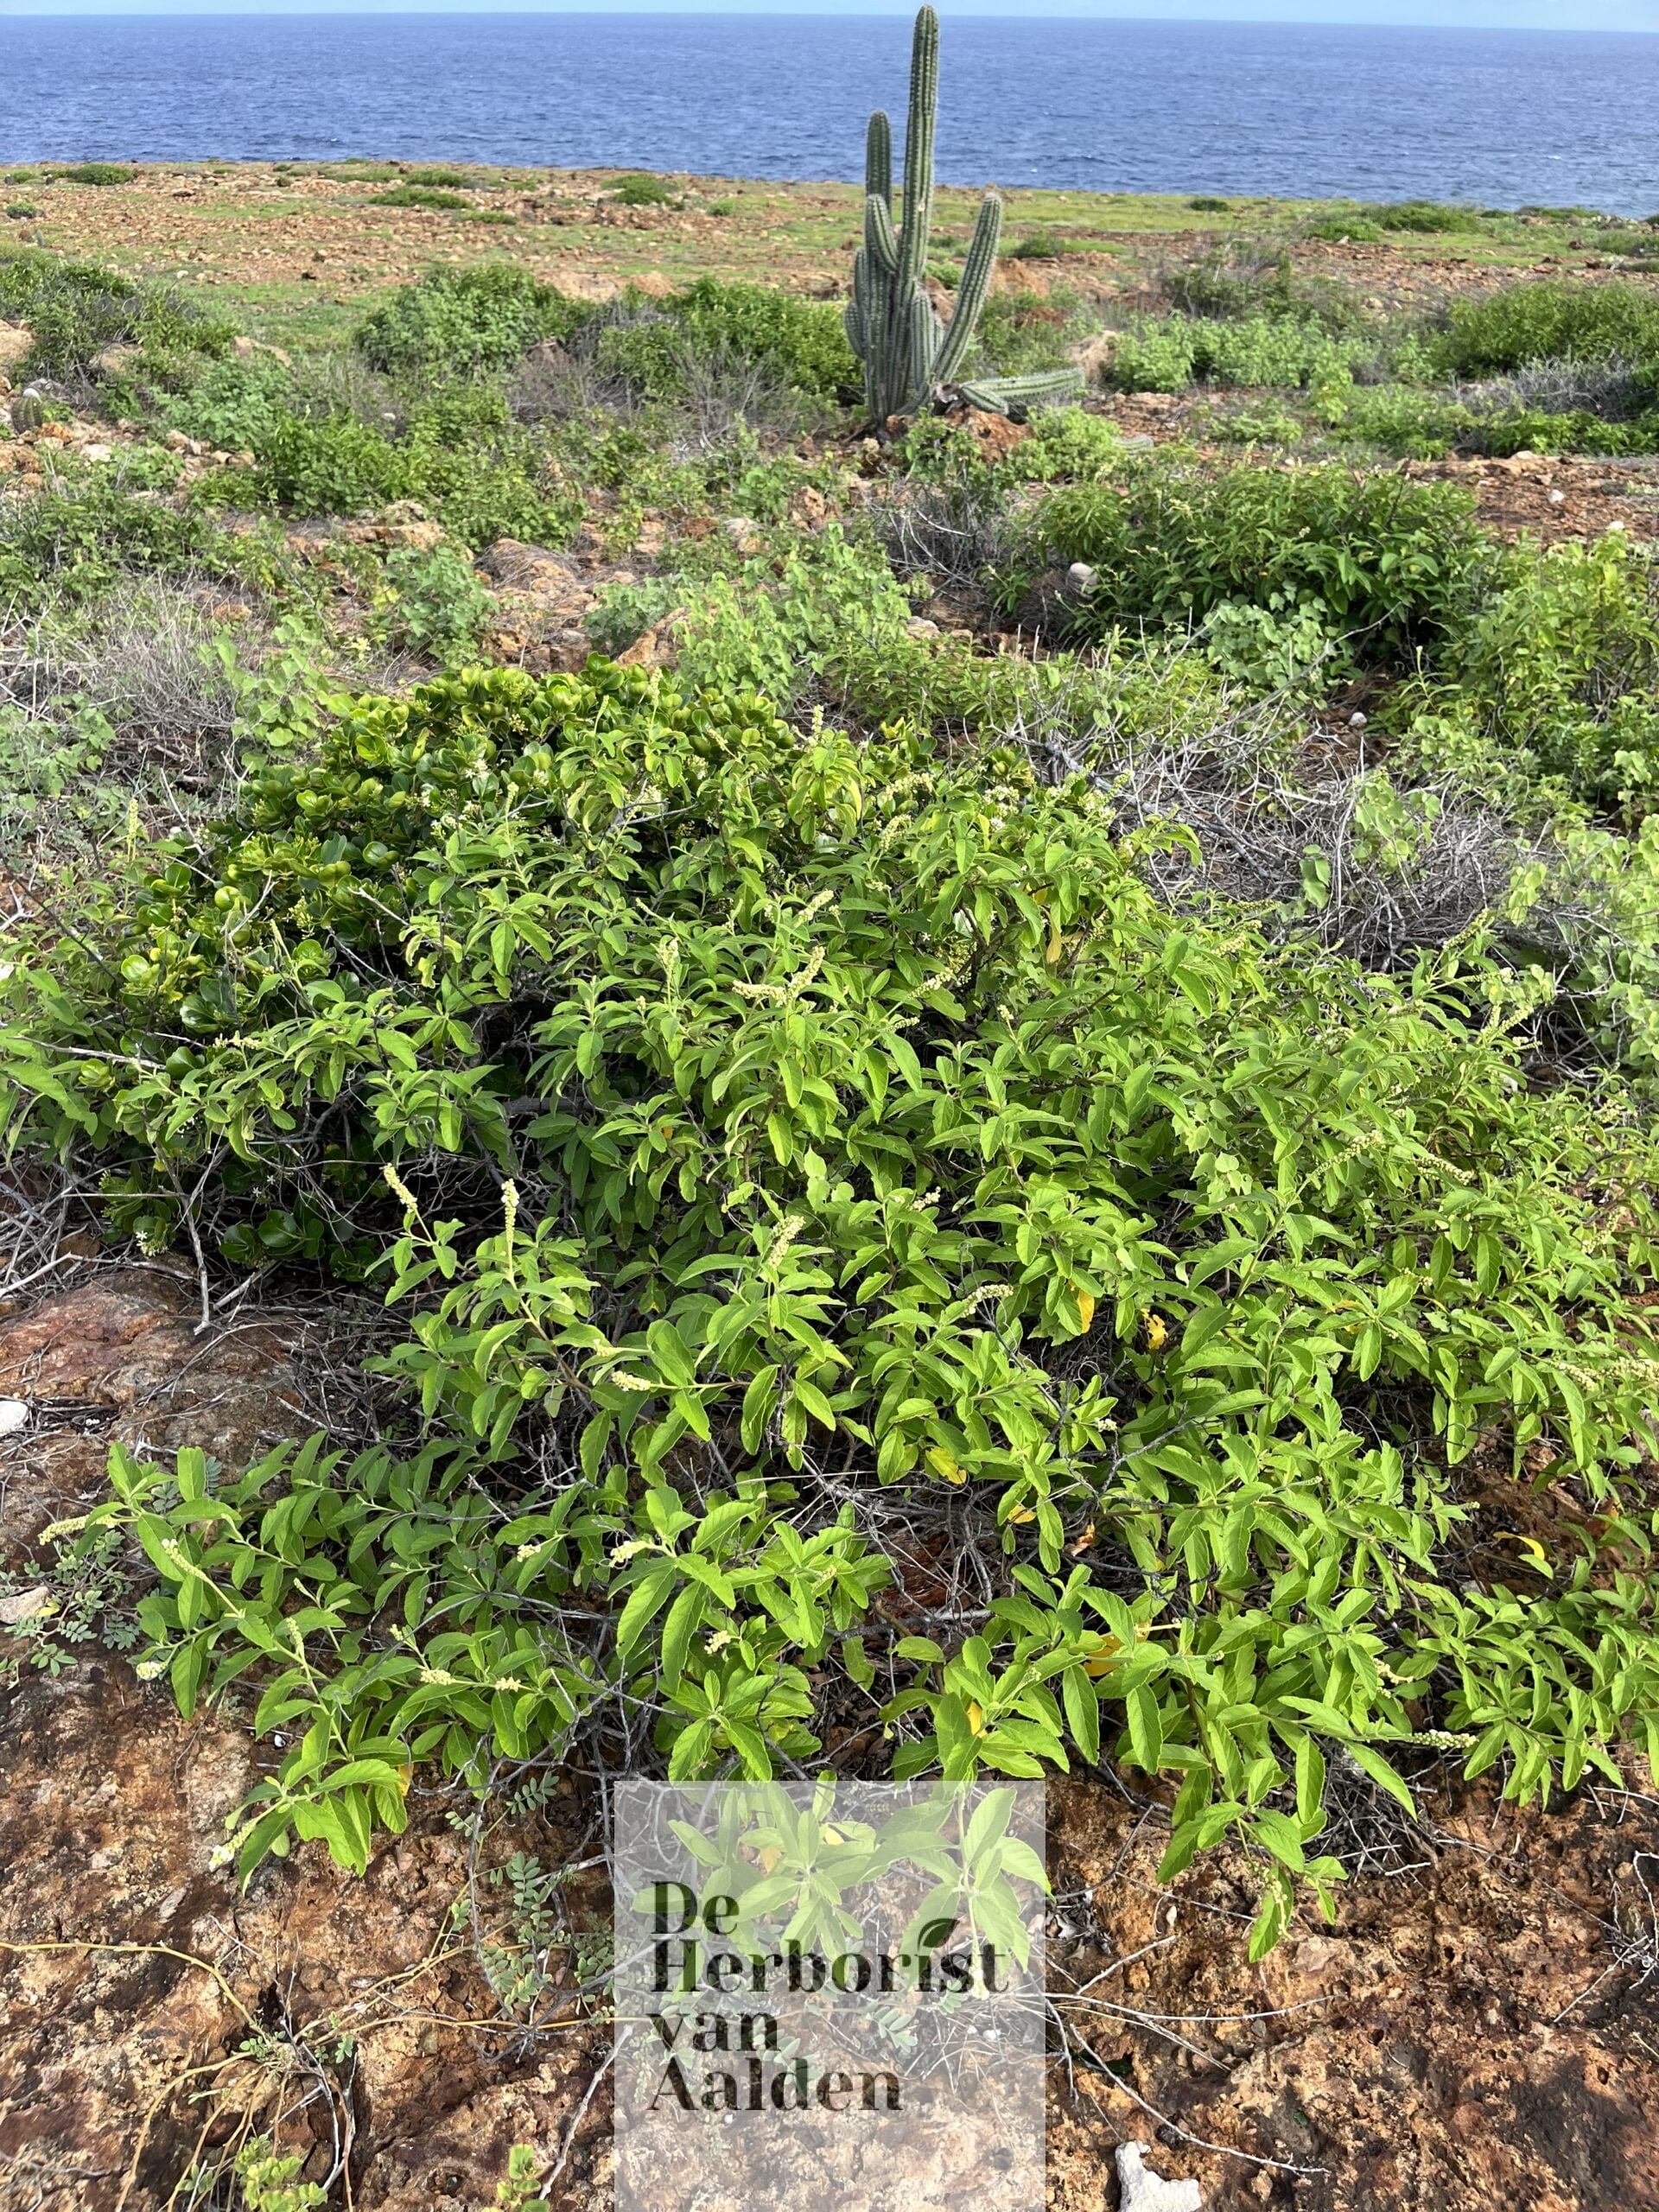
1206,204
440,178
421,195
1430,216
1049,246
1344,230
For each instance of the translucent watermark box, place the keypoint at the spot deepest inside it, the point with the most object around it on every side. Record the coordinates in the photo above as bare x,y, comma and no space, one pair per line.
829,1993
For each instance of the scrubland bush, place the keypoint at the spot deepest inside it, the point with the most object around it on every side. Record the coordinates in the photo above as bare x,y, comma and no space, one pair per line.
465,321
1167,354
880,1121
1381,565
1550,321
76,308
1553,683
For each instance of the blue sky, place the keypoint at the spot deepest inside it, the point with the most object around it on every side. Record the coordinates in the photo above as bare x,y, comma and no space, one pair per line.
1509,15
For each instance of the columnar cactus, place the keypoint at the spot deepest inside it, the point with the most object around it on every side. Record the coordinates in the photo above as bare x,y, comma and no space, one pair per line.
910,358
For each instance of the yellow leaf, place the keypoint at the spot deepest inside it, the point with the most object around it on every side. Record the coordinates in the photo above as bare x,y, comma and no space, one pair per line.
1105,1659
941,1463
769,1858
975,1720
1086,1307
1056,945
831,1835
1157,1332
1022,1514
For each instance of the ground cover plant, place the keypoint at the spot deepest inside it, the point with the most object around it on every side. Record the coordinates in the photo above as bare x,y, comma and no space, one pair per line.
804,1173
979,1202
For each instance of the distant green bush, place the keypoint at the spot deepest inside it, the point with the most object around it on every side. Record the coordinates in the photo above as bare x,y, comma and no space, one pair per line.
641,192
1431,216
800,343
435,604
1344,230
1206,204
1555,684
421,195
440,178
465,321
100,173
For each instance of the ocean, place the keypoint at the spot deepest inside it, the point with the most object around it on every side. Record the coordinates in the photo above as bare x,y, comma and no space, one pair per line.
1499,118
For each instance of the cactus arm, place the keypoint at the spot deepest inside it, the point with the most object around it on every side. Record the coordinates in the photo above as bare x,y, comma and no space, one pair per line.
925,335
880,239
1014,395
919,143
971,290
878,160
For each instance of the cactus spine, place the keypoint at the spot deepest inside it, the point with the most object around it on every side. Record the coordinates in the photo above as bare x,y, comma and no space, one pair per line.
911,357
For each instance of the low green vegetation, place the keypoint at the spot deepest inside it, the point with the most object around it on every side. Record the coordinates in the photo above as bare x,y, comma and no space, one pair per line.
1005,1209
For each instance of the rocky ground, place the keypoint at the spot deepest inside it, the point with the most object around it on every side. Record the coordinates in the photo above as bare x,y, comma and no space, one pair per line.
1478,2031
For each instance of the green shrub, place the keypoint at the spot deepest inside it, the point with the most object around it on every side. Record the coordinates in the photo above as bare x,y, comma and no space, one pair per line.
20,210
1397,419
437,606
337,466
1346,230
774,1120
233,406
1022,333
481,474
1431,216
442,179
780,621
71,541
76,308
802,341
1173,351
462,456
724,208
1048,245
463,322
1066,445
1390,565
1536,429
1207,204
421,195
1556,682
1549,320
1589,907
641,192
101,173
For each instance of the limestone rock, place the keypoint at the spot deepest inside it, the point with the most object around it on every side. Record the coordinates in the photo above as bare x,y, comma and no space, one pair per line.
114,361
1140,2189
